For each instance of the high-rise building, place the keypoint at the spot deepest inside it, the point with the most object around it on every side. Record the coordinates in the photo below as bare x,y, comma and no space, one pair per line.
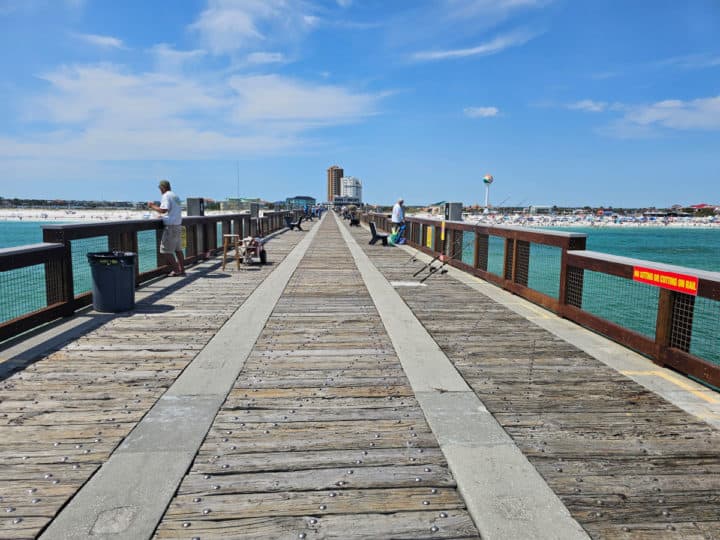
334,174
351,187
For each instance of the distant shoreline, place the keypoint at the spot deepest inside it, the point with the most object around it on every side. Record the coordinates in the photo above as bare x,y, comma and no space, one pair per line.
539,222
39,214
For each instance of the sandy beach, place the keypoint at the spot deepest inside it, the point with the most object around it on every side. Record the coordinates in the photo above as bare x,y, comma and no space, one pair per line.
42,214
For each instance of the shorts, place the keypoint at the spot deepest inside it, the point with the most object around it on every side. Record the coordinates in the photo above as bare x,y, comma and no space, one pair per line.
171,239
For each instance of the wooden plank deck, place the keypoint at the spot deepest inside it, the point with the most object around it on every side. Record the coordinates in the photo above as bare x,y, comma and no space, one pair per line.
61,417
625,462
321,436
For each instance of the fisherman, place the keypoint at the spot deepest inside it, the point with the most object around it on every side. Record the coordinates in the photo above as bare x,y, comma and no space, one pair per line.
398,222
171,241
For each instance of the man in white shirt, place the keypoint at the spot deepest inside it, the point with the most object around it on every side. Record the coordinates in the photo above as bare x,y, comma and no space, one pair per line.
398,222
171,241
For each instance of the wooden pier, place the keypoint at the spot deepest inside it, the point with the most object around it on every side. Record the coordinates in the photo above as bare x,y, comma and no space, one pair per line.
323,434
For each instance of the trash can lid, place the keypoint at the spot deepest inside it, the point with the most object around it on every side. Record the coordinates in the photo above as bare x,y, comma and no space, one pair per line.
110,254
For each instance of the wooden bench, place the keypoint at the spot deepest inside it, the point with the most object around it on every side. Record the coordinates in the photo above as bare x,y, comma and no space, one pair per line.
354,220
290,224
377,236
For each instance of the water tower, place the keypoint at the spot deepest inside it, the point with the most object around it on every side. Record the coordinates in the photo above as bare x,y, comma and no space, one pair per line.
487,180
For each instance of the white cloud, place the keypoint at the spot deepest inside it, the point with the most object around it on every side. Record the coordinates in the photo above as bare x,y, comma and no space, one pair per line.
485,8
266,58
279,99
226,26
105,112
702,113
493,46
588,105
692,61
168,57
101,41
480,112
643,121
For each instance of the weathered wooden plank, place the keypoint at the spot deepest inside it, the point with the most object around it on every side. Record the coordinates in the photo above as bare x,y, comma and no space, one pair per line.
322,422
364,477
610,448
399,526
208,461
62,416
302,503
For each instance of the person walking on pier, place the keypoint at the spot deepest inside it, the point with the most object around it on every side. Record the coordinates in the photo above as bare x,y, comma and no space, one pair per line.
398,222
171,241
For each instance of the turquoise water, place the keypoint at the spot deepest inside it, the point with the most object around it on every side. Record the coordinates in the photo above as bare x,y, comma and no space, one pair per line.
23,290
693,248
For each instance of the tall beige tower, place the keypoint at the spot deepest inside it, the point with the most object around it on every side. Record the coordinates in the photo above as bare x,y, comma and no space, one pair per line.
334,174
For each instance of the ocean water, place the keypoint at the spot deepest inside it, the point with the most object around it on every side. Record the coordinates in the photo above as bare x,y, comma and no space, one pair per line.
630,304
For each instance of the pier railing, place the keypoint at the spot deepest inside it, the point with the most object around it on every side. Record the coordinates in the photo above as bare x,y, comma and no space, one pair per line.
668,313
42,282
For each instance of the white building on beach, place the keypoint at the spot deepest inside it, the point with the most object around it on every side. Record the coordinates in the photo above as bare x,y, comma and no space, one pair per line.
351,187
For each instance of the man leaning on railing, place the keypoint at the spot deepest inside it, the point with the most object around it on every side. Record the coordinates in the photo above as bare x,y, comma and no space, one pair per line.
171,241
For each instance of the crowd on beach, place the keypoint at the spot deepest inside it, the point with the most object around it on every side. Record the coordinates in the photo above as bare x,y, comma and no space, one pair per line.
590,220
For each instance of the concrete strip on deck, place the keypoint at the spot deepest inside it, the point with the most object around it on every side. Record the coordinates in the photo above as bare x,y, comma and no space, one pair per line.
128,495
504,493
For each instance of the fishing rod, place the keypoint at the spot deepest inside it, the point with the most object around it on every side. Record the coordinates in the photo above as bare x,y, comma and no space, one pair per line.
462,247
442,252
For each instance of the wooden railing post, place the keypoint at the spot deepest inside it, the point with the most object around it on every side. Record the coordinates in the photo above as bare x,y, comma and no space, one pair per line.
521,262
673,327
481,251
59,284
509,258
574,280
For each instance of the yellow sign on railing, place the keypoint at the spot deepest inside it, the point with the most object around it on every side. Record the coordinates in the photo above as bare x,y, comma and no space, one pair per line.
428,237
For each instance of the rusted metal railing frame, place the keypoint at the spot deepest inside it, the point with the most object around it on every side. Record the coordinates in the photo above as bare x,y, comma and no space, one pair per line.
56,254
660,350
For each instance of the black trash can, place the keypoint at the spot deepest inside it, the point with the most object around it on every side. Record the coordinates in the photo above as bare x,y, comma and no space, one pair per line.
113,280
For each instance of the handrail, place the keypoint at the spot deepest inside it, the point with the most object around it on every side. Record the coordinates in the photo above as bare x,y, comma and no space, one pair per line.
673,325
55,254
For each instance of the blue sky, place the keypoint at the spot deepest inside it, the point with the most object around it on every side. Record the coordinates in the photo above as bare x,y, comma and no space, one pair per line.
568,102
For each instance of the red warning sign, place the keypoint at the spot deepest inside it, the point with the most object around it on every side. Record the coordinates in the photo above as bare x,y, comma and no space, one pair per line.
667,280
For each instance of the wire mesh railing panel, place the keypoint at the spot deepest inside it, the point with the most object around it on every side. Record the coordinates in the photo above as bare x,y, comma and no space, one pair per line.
496,255
147,251
22,291
82,280
705,341
623,301
468,249
544,269
522,264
